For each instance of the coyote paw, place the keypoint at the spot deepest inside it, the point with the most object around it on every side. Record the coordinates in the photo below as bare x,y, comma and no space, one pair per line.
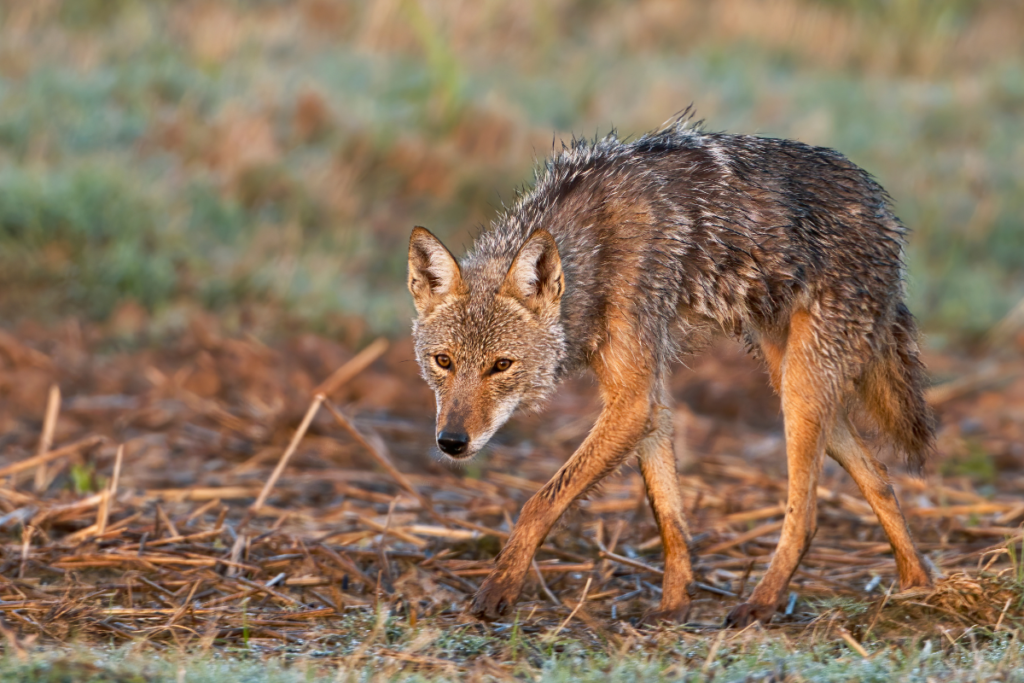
676,615
747,613
493,601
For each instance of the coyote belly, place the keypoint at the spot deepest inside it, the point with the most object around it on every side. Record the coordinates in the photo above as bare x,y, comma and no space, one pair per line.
626,255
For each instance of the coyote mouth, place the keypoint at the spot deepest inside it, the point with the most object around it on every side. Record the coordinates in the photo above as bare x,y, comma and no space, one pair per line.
461,457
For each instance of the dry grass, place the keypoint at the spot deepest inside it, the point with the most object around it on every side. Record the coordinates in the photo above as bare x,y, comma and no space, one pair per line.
143,527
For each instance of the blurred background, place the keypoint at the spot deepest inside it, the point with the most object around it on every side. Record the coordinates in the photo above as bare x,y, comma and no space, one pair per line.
266,160
205,209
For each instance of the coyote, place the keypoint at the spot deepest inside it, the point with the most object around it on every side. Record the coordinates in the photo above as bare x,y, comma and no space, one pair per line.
624,256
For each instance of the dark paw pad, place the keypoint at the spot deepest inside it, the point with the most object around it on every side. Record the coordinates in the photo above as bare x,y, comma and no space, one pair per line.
492,603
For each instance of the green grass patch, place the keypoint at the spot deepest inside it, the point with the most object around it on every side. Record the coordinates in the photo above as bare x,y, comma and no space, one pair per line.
257,155
750,657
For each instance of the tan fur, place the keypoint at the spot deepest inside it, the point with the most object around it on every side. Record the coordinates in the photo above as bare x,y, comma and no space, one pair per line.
658,467
625,421
807,411
811,416
871,477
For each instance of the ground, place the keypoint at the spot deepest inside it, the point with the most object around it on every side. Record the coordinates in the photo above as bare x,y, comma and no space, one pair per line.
139,535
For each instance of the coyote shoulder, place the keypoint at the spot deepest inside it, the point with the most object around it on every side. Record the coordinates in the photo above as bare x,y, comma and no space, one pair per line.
624,256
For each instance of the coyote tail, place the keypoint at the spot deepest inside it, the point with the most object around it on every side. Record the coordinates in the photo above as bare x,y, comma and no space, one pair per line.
892,390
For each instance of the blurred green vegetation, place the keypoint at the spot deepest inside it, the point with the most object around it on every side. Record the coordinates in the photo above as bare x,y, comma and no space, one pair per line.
268,159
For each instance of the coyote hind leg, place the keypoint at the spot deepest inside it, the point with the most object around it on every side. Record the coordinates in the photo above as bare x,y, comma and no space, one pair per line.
847,449
658,466
807,411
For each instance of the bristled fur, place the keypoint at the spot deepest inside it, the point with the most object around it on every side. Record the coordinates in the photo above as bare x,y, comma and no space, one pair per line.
625,254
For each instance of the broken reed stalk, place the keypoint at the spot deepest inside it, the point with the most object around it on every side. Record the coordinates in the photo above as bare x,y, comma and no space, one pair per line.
544,585
71,449
713,652
26,541
845,635
382,459
636,564
353,367
756,532
46,439
286,456
583,598
346,372
103,516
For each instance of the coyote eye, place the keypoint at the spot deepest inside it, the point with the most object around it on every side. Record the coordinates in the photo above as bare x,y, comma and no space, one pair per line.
502,364
443,360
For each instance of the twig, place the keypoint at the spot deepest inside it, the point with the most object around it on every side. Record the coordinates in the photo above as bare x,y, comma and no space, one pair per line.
352,660
630,562
283,462
235,555
42,459
383,459
845,635
951,510
583,599
713,652
881,606
46,439
166,521
353,367
714,590
184,606
26,540
268,591
347,565
110,494
116,478
397,533
1003,613
544,585
753,515
756,532
503,536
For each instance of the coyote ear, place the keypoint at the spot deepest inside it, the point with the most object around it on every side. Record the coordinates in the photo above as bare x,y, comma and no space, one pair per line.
433,271
535,277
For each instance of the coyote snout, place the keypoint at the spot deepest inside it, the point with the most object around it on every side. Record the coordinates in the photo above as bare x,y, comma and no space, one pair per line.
664,241
488,340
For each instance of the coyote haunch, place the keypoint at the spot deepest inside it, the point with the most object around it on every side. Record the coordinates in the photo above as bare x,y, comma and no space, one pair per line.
626,255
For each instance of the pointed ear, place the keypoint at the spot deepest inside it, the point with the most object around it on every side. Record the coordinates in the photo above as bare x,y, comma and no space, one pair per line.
535,277
433,271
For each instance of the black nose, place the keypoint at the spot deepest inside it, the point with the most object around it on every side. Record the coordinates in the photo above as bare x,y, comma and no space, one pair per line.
453,443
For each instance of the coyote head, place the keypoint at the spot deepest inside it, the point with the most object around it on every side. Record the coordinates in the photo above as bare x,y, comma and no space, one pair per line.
489,339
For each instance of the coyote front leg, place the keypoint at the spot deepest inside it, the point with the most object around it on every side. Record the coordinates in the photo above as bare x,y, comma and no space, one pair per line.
623,423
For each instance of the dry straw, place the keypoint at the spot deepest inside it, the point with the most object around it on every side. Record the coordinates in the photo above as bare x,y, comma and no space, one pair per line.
246,554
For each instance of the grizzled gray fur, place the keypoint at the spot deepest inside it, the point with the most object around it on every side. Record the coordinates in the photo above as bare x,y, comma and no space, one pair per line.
625,255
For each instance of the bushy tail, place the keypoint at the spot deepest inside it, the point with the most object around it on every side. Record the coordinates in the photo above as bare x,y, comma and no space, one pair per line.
892,390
